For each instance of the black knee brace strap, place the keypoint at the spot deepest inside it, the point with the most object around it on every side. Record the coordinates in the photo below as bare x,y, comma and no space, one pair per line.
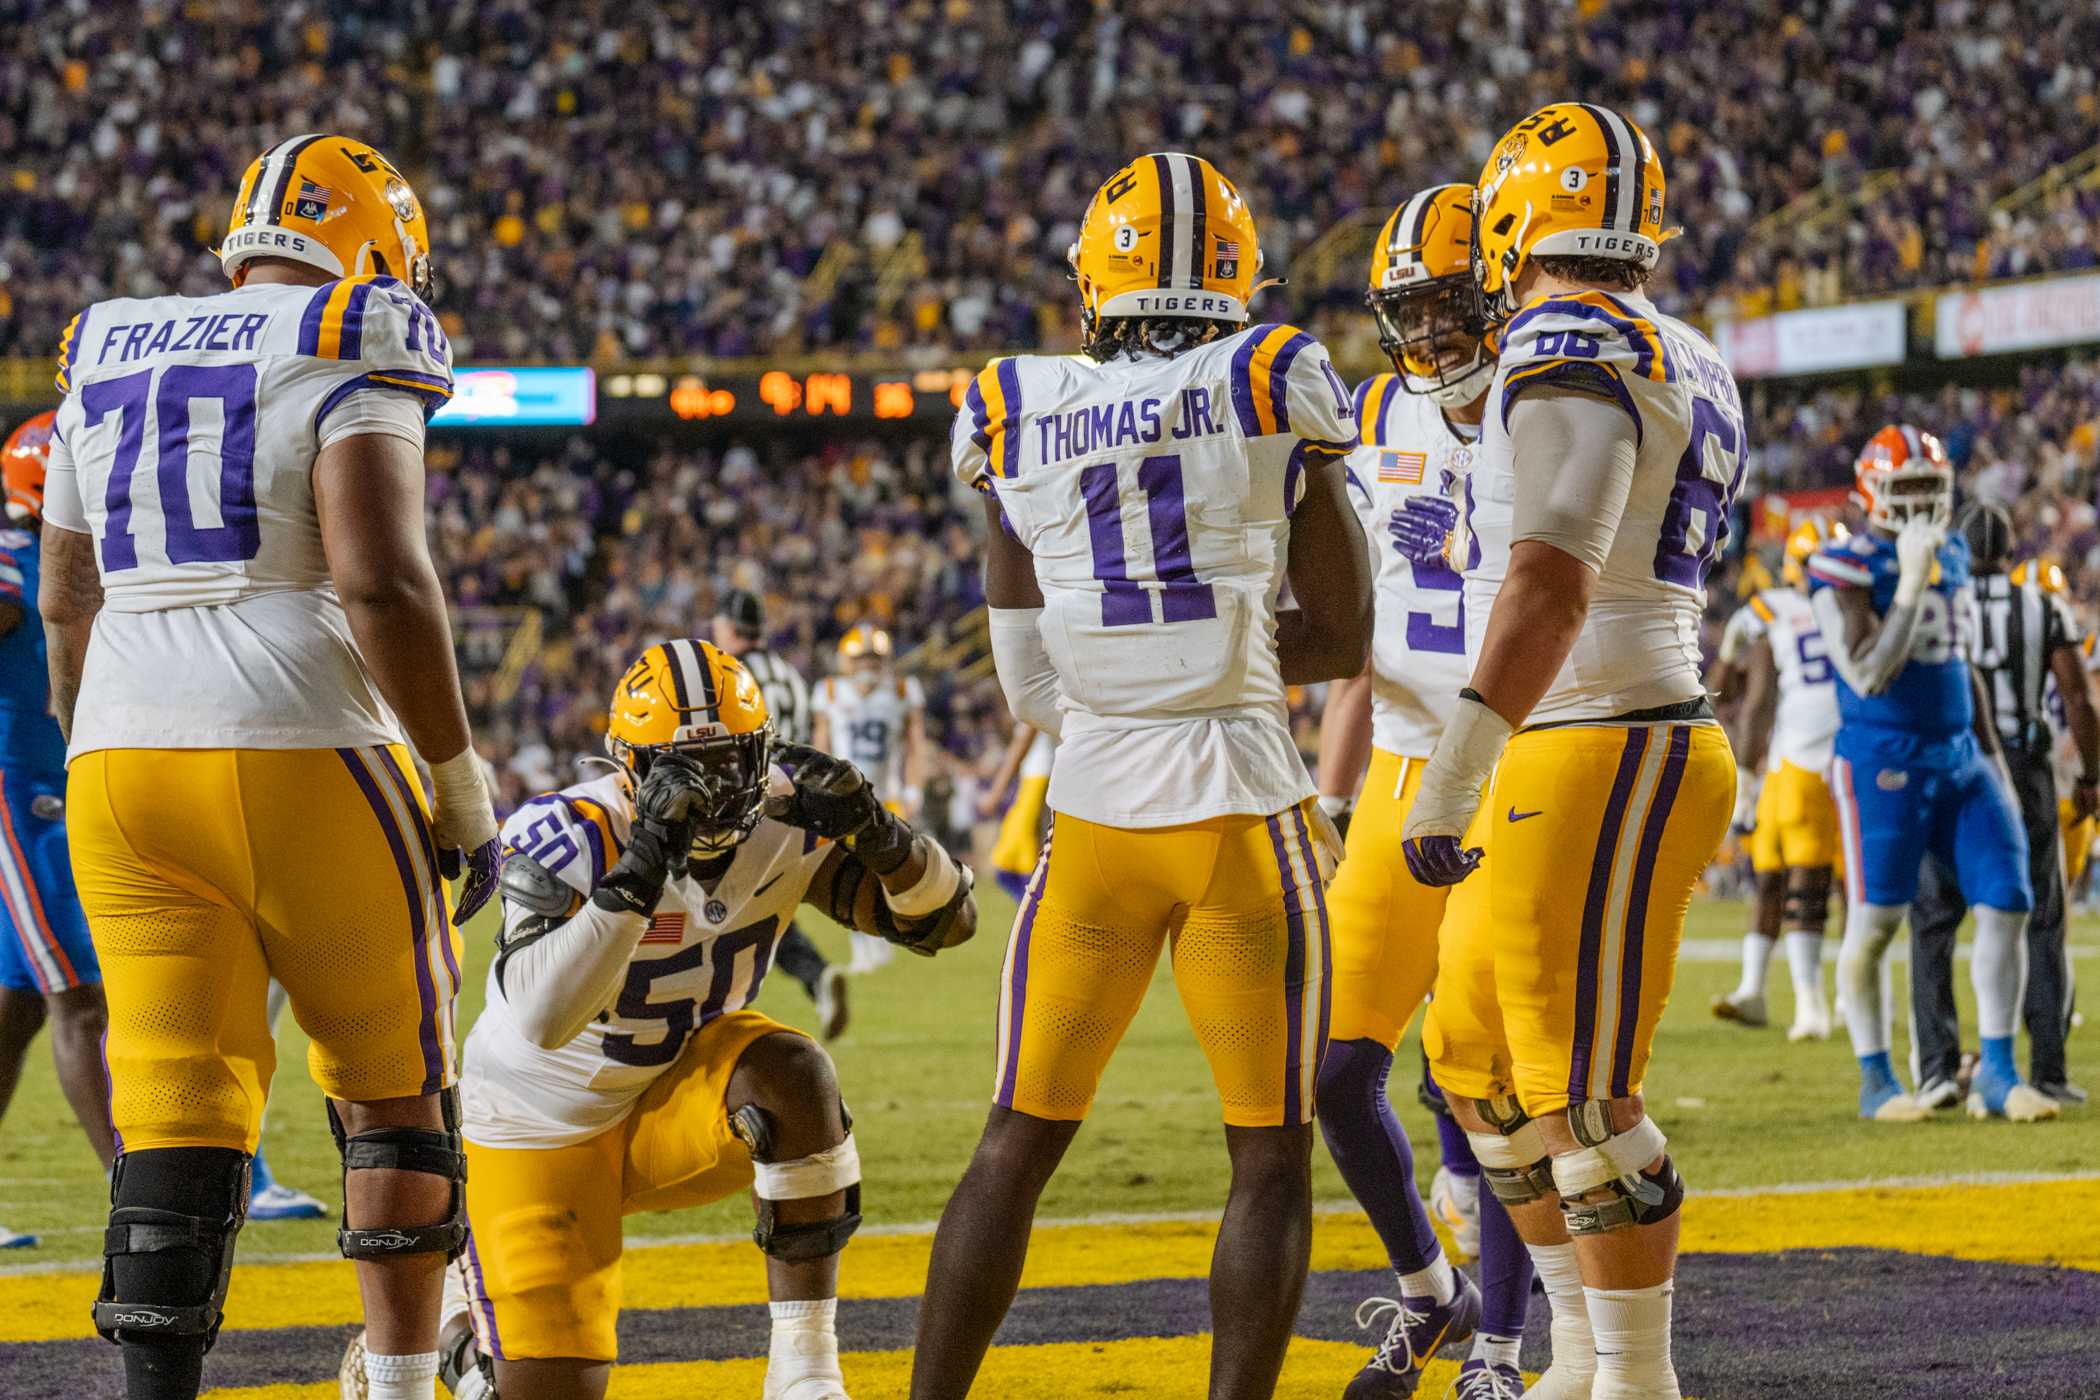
164,1236
816,1239
1629,1200
424,1150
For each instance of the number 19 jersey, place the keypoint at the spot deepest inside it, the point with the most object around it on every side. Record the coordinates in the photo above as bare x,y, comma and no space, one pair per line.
186,447
1155,494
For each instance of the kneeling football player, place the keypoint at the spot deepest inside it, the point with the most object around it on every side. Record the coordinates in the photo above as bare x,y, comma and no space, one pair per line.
617,1067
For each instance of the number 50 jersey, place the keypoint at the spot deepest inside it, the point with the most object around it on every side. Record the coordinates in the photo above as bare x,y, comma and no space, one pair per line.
1155,494
186,447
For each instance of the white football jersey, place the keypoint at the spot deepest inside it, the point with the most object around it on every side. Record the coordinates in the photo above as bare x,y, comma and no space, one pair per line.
186,447
1639,648
1418,639
1806,721
868,719
1155,495
705,954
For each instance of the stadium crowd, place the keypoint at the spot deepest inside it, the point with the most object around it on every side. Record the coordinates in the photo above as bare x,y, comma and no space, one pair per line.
702,179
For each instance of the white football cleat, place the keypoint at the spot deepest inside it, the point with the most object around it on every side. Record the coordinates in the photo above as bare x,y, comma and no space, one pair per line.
1743,1010
351,1374
832,1012
1810,1023
278,1201
1454,1201
1901,1108
869,952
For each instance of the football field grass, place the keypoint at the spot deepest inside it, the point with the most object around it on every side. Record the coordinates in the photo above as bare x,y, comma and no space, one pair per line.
1749,1117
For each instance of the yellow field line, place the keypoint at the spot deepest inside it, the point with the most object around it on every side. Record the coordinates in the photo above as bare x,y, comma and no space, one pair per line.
1967,1221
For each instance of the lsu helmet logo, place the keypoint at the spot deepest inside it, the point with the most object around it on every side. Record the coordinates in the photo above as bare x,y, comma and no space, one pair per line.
1167,235
330,202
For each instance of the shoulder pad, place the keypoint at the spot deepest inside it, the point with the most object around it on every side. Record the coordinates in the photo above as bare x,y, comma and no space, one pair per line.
986,439
1281,382
534,888
1373,397
385,335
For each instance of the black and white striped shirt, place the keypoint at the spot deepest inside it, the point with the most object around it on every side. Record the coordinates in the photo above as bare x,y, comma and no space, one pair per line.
2021,624
786,692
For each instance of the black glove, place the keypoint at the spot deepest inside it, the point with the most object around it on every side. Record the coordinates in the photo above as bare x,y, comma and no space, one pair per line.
833,798
660,840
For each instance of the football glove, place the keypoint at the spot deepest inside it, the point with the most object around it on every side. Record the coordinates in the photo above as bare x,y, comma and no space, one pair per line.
833,798
1339,810
1917,548
1420,527
1433,838
660,839
463,827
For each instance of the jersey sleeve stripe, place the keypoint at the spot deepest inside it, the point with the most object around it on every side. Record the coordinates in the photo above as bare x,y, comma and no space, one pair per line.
973,401
1370,415
1009,455
1255,382
1362,396
994,383
1585,375
429,389
1761,607
1839,571
310,319
1639,333
597,827
352,336
68,346
1237,380
342,335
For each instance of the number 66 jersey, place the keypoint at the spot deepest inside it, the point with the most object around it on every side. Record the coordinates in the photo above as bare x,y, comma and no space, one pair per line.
1155,495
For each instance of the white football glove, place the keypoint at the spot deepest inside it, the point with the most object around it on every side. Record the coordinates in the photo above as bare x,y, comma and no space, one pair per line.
1917,546
463,822
1747,788
1449,794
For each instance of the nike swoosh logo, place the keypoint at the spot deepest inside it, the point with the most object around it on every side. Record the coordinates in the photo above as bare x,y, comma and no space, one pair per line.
1516,816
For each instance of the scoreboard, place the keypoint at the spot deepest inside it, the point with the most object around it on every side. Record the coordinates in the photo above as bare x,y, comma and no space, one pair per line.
492,396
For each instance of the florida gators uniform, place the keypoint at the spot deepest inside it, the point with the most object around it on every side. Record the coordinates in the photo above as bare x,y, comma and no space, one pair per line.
1607,806
1796,819
1907,773
240,803
868,720
46,948
630,1115
1384,921
1155,495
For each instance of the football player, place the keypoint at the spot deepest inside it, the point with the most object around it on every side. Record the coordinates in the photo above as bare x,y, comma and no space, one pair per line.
1788,719
1145,502
619,1066
1419,424
1597,505
1915,768
1022,785
875,719
244,627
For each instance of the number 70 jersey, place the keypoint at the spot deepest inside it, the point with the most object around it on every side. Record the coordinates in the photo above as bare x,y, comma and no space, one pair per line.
1155,494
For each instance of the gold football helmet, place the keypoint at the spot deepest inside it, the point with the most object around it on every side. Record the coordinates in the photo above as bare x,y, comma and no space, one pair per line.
1422,298
333,203
1166,236
865,651
1571,180
692,698
1801,546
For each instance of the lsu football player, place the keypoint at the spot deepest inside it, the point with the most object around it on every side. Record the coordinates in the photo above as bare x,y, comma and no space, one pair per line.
1145,503
246,634
1597,504
1788,719
1019,796
876,720
1915,768
619,1067
1420,424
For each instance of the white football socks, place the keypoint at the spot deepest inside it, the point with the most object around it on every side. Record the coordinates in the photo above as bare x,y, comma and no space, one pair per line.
401,1377
1496,1351
1757,956
1804,959
1632,1326
1435,1282
1998,971
1574,1349
803,1359
1863,973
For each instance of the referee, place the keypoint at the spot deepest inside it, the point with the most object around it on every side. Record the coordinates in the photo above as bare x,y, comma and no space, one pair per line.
740,630
2025,637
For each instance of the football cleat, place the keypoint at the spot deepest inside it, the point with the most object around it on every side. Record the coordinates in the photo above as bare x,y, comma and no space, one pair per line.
832,1013
278,1201
9,1239
1887,1103
1416,1330
2066,1094
1481,1379
1454,1203
869,952
1741,1009
350,1376
1810,1023
1939,1092
1991,1096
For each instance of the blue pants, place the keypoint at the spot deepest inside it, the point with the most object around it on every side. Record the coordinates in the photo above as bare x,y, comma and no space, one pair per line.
45,947
1891,814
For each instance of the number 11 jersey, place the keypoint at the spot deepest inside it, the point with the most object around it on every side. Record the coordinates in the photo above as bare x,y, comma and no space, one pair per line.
186,447
1155,494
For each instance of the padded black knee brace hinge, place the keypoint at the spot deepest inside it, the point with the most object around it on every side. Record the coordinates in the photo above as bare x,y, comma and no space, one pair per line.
432,1152
1632,1200
816,1239
145,1230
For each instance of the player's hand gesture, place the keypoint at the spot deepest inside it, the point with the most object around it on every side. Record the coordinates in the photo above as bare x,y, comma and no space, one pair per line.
1420,527
831,797
1917,546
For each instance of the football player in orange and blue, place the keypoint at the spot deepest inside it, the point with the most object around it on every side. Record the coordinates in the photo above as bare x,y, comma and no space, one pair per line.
1144,504
1598,503
247,637
619,1066
1420,424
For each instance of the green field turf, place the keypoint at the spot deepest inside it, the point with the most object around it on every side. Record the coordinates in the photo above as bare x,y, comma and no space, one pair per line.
1742,1109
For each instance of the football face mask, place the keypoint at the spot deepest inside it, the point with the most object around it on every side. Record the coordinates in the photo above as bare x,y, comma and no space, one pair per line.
1432,332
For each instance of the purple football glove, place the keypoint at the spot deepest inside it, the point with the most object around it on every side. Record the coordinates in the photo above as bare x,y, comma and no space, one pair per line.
1420,527
1439,860
480,867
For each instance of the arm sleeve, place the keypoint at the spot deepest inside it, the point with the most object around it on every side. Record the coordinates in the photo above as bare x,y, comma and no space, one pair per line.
1868,670
1589,344
62,506
1025,670
556,980
1573,457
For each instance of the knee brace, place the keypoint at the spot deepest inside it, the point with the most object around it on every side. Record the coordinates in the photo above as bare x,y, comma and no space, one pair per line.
799,1178
1431,1095
174,1215
1614,1166
1807,908
435,1153
1512,1158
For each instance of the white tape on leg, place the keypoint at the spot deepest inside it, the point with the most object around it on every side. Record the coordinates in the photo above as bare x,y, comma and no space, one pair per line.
819,1174
1512,1152
1622,1154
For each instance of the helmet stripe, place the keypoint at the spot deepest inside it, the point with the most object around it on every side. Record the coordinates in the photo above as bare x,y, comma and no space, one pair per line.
1199,216
1620,149
675,665
286,164
1164,176
265,171
710,701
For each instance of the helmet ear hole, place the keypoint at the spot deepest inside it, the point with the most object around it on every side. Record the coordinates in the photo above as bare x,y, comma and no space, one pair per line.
1502,225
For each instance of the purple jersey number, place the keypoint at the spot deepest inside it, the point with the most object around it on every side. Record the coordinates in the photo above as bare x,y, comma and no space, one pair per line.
238,536
1183,597
1700,492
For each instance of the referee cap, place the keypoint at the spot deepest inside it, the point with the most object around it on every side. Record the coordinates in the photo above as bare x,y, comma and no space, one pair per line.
743,610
